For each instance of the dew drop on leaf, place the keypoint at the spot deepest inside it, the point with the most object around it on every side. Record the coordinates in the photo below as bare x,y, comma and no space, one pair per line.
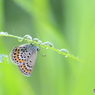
37,40
27,37
2,56
3,33
65,51
48,44
20,39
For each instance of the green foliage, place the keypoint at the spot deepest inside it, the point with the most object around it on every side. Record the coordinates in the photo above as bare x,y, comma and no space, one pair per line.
66,24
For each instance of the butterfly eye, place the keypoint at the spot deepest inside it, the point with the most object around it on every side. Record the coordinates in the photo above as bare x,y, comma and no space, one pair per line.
38,49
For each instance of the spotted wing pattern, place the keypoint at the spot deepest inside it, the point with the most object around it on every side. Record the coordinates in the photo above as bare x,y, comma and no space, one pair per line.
17,55
24,56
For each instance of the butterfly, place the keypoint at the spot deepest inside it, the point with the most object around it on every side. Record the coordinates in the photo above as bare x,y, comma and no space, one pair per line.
24,56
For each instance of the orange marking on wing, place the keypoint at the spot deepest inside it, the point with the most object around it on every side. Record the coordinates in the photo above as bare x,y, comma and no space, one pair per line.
16,57
26,70
17,49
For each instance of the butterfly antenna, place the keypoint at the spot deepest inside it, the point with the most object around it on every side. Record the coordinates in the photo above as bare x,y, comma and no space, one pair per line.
42,54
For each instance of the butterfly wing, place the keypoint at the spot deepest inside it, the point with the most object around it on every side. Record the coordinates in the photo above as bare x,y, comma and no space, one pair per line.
18,54
31,54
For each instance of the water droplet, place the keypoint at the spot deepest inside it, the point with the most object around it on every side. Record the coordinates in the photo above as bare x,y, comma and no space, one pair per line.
37,40
3,33
48,44
20,39
5,55
65,51
2,56
27,37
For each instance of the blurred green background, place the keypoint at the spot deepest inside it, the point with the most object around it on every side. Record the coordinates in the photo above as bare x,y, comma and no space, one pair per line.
67,24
